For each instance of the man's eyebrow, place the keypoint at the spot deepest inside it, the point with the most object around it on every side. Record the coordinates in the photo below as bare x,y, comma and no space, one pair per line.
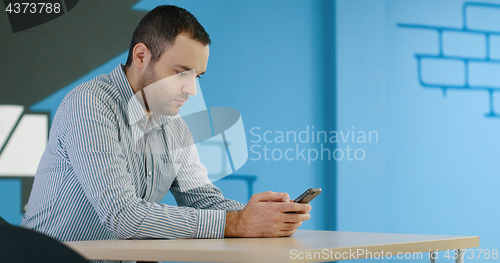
186,68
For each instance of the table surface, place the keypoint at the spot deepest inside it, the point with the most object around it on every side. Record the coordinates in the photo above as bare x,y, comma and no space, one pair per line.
319,245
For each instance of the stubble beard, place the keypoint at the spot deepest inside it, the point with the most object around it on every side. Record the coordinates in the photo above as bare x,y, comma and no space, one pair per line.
153,102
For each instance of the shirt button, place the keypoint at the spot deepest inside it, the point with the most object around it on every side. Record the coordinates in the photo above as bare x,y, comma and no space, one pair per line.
150,172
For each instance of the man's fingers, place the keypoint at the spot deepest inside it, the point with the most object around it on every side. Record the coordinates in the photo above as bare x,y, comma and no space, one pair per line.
270,196
291,226
286,233
295,207
285,198
295,218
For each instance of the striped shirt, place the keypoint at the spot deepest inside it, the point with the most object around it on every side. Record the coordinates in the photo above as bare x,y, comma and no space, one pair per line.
106,168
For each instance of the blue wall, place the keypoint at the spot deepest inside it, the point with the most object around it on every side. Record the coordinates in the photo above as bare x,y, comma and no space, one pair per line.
10,206
435,167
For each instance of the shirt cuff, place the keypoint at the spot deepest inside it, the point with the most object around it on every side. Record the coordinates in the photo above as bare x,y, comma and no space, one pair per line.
210,224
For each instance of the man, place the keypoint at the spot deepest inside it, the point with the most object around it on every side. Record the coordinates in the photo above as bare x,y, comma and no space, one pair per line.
117,146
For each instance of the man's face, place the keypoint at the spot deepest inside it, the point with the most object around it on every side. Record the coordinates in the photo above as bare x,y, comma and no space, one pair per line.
168,83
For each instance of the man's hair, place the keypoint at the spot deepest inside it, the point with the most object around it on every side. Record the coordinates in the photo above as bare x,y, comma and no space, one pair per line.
159,28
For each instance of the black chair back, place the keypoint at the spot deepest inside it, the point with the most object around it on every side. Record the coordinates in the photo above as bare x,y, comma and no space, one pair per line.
3,222
21,245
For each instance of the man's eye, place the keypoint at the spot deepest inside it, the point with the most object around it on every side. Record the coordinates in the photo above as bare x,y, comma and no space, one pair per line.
181,73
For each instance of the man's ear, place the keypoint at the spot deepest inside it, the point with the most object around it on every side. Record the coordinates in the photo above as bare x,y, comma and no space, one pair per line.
141,56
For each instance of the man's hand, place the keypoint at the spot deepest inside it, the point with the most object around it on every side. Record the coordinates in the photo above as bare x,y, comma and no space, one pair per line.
265,216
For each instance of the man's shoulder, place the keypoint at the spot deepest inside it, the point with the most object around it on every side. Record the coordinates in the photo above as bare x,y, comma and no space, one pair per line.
100,87
96,97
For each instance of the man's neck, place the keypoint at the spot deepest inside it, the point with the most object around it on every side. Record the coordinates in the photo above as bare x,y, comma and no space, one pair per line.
132,77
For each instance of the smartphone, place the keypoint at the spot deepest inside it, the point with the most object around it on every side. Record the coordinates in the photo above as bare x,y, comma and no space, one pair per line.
308,195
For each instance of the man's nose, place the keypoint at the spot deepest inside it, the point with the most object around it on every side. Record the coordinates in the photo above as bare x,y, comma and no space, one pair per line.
190,87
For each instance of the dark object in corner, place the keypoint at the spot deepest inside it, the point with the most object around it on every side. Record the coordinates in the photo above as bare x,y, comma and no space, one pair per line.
3,222
21,245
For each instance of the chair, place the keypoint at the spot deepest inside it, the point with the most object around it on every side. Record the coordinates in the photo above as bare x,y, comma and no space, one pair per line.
21,245
3,222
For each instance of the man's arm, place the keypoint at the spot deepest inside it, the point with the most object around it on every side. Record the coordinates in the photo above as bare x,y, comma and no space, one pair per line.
192,186
96,155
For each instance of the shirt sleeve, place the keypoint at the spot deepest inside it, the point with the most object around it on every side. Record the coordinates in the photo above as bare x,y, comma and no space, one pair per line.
192,188
97,158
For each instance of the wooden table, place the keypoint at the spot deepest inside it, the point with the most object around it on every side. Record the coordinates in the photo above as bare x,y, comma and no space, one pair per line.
304,246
